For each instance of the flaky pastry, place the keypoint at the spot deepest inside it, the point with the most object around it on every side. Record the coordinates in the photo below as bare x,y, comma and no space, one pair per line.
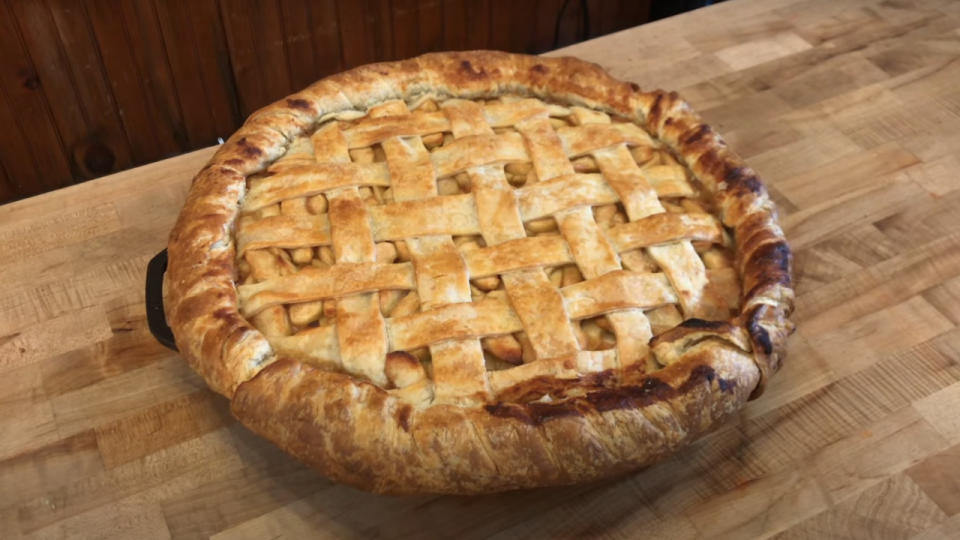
479,271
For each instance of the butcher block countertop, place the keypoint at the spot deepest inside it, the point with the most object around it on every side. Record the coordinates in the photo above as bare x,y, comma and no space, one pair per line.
850,111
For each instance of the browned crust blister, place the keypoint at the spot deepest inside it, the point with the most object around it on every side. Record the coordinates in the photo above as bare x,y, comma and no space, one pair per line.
355,432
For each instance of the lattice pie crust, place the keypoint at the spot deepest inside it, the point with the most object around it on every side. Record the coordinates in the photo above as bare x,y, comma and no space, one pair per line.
472,272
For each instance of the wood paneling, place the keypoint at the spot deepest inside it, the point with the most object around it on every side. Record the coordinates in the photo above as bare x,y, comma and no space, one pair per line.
478,24
67,64
90,87
39,146
153,130
455,24
157,90
204,82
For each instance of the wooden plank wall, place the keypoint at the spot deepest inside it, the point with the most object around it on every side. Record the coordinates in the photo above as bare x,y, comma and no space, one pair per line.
90,87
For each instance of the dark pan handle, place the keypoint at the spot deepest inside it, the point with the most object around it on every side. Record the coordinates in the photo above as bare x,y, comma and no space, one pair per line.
156,319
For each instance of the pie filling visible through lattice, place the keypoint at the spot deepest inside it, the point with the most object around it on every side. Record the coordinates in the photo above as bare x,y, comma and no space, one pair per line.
464,247
474,289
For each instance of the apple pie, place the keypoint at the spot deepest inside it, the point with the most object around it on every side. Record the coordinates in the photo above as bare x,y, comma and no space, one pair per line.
479,271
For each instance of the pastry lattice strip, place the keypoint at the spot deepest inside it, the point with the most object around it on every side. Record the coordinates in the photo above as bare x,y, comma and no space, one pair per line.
459,215
442,276
612,292
492,209
361,328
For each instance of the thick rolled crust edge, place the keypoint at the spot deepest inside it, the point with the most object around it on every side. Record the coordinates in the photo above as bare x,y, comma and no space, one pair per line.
764,259
358,434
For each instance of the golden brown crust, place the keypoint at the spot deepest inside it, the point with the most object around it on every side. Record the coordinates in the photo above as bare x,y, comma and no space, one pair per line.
765,262
356,432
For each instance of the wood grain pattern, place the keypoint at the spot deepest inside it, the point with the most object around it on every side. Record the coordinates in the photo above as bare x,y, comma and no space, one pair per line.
35,140
850,112
204,83
75,120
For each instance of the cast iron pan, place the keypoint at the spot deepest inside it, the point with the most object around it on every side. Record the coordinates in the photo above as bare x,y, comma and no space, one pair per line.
156,319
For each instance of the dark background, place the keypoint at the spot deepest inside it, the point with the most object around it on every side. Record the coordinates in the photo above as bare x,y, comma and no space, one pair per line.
91,87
